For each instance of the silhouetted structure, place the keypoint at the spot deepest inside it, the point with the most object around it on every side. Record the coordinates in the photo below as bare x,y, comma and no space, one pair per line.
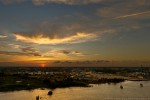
37,97
141,85
50,93
121,87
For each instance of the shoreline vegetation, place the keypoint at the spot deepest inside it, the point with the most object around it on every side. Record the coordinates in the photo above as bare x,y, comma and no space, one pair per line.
18,78
25,82
11,83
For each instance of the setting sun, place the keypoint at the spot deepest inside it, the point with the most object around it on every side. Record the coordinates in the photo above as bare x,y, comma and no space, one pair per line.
43,65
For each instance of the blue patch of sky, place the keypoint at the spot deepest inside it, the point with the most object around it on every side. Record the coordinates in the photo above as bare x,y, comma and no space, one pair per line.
15,16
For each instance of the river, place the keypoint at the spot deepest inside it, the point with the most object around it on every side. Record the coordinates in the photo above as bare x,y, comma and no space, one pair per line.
131,91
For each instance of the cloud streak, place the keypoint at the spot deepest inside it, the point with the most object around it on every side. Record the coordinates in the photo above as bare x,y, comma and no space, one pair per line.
41,2
67,52
40,39
130,15
19,53
3,36
69,2
28,49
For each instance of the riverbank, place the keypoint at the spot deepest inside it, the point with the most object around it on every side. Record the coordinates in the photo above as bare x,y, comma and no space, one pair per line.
26,82
12,83
137,79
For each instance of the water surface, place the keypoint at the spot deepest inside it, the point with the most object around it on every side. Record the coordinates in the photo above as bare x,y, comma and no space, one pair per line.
131,91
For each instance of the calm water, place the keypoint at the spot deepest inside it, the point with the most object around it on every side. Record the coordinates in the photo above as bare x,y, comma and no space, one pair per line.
131,91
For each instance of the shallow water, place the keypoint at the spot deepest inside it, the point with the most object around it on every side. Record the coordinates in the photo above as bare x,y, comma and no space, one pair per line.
131,91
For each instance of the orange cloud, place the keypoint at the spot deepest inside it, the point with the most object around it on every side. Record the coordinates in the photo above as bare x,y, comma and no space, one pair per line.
1,46
40,39
3,36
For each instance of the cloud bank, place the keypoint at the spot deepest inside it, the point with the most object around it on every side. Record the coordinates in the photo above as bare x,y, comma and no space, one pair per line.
40,39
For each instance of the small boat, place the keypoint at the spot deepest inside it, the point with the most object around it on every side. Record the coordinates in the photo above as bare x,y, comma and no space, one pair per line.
121,87
141,85
50,93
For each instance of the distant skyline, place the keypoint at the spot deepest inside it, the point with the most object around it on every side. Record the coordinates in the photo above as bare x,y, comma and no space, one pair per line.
75,33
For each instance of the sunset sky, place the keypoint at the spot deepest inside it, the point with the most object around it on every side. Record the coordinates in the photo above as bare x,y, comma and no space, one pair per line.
74,33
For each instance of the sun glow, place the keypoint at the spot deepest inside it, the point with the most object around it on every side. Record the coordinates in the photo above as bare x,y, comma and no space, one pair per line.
43,65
